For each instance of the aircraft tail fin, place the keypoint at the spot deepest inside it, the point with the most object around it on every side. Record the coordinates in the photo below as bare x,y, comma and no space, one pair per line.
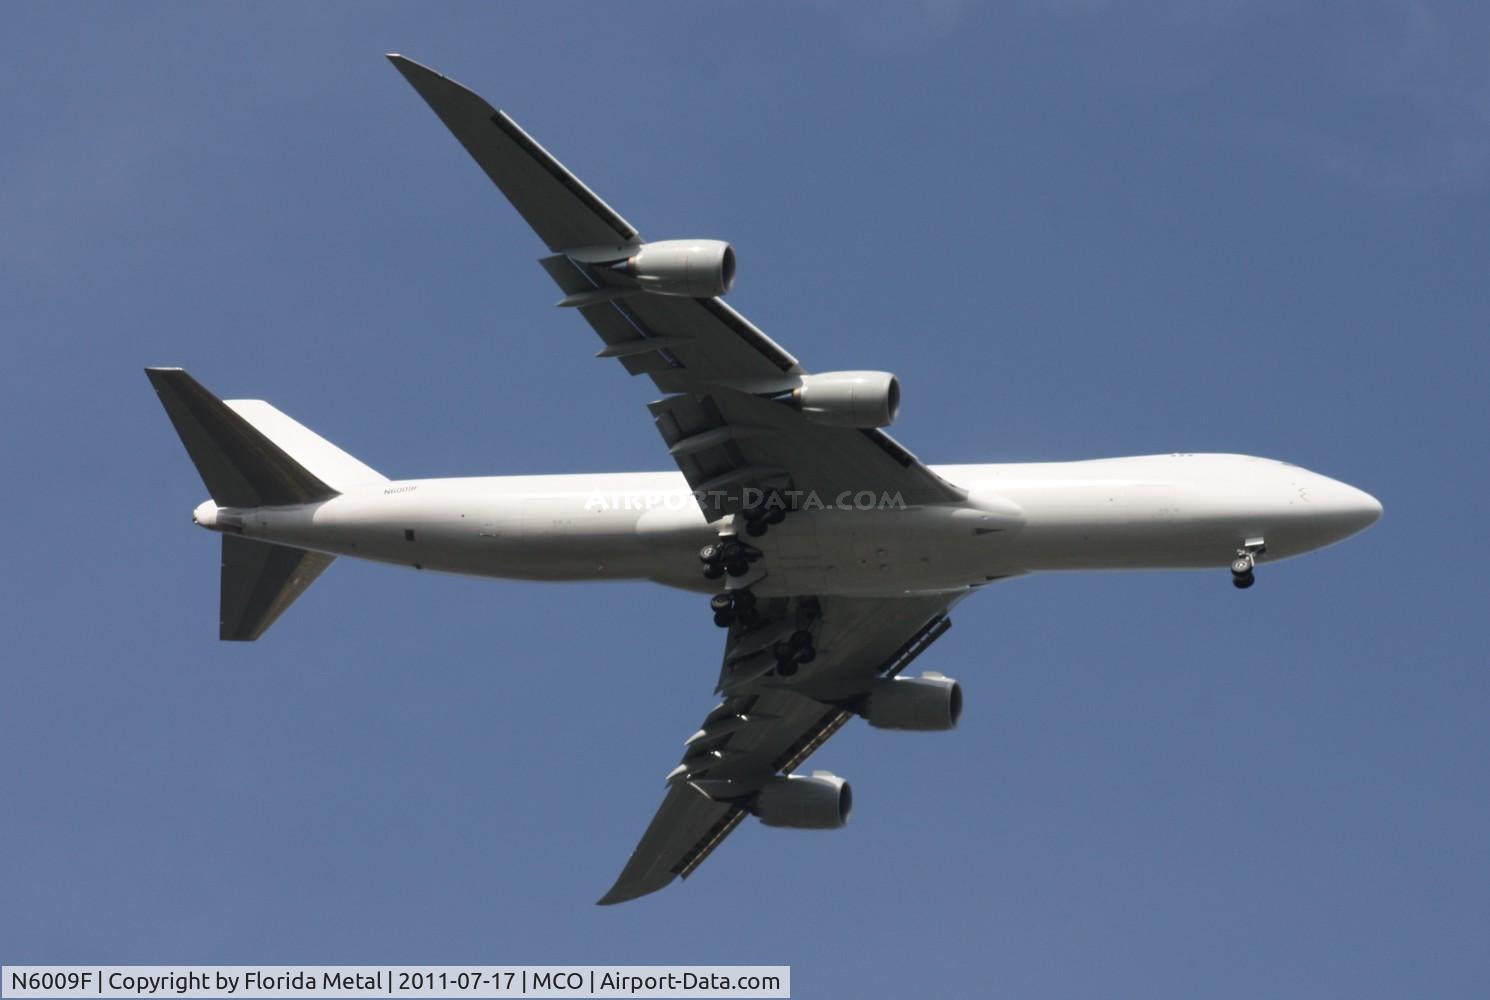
259,581
248,453
251,455
315,454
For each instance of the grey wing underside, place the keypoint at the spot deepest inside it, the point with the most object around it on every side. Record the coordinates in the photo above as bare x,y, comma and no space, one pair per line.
719,370
723,420
561,209
765,726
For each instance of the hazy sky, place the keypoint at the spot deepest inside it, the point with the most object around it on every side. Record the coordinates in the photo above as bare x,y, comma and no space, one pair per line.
1074,229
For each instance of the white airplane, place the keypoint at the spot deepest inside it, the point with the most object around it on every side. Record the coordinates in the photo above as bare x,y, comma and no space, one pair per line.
832,554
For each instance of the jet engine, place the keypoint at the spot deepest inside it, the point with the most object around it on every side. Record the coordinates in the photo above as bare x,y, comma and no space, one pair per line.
820,801
697,269
929,703
849,399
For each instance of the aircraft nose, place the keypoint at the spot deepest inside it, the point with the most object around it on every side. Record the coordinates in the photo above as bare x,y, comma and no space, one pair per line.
1351,510
1370,507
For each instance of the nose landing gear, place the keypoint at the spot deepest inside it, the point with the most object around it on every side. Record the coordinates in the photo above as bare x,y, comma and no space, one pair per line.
1242,576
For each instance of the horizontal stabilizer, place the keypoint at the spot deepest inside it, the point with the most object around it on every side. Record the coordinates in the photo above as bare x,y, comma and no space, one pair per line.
239,464
259,581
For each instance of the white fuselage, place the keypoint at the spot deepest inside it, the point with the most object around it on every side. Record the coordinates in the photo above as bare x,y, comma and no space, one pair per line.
1163,511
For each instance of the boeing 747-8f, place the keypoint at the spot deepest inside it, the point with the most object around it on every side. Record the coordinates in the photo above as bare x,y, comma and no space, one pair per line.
832,555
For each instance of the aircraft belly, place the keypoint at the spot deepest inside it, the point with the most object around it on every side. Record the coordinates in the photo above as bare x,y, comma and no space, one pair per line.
1135,526
885,553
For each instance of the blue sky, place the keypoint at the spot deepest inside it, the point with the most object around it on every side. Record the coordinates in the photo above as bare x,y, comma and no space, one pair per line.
1074,229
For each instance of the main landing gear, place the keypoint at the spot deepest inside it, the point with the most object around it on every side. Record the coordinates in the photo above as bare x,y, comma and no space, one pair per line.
759,519
792,651
732,557
729,555
1242,576
734,606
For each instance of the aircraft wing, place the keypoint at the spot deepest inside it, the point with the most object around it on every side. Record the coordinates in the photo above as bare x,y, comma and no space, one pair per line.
563,212
765,726
718,419
724,423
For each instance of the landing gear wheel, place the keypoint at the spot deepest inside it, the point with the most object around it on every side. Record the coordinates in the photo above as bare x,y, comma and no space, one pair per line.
1241,571
709,554
1246,561
786,668
738,568
793,653
800,639
713,571
734,606
756,528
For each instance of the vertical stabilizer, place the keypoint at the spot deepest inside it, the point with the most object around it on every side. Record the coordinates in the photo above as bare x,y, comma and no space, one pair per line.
251,455
315,454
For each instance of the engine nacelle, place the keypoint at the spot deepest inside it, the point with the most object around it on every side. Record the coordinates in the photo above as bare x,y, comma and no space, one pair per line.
849,399
820,801
696,269
929,703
